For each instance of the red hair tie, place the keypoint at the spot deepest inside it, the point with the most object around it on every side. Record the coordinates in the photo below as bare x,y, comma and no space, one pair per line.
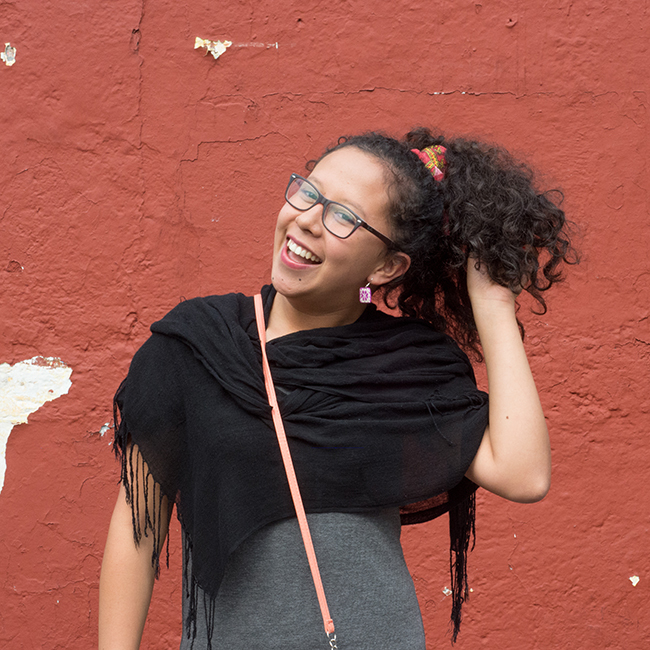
434,160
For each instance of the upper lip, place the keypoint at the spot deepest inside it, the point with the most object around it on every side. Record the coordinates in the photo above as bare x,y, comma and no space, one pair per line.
293,239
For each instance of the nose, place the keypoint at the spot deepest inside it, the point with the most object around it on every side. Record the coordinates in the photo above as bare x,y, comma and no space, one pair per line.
311,220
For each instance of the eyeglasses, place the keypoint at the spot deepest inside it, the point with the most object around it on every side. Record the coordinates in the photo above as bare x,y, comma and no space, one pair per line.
338,219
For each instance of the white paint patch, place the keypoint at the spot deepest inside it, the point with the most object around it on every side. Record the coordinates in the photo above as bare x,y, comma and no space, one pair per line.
447,591
24,388
9,55
634,580
216,48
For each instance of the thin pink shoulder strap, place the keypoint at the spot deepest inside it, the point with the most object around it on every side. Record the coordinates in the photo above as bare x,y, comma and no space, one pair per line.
291,474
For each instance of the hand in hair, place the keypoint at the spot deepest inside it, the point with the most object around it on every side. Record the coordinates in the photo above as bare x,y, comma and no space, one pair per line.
481,287
514,458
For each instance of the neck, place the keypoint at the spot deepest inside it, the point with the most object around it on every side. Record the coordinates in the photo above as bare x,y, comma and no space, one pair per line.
288,316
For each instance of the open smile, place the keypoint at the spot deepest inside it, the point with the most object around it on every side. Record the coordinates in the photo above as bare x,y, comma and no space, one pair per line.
304,254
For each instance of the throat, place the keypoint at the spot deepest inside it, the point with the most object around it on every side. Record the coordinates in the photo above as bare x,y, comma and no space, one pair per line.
289,316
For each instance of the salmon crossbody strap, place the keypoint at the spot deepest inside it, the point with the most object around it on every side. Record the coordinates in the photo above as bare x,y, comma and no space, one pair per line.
291,476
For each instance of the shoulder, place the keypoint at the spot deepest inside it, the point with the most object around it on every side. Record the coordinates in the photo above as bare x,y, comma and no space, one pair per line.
205,312
203,304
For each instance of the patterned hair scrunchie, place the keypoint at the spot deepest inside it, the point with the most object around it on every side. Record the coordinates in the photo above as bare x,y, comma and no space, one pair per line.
434,160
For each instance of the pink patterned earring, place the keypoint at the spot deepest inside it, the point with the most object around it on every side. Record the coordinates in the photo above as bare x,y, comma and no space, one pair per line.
365,294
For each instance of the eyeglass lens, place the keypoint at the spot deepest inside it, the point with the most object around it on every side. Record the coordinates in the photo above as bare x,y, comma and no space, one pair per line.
340,221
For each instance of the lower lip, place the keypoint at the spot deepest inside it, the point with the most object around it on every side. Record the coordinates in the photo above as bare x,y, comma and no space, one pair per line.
287,261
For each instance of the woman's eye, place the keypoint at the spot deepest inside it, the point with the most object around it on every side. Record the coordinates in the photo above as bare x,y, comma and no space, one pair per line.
343,216
308,194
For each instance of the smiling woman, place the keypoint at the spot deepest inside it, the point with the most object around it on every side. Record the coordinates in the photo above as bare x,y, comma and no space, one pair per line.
328,292
385,423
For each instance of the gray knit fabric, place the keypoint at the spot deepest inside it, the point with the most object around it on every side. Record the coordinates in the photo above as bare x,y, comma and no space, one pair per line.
267,600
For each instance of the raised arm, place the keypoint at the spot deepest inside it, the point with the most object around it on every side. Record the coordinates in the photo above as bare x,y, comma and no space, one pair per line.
127,577
514,458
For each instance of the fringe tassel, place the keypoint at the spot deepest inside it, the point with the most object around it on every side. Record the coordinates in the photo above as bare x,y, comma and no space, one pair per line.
138,480
192,596
191,590
462,527
209,605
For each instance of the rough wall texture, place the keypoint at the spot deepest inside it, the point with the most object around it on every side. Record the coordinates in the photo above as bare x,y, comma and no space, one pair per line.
135,171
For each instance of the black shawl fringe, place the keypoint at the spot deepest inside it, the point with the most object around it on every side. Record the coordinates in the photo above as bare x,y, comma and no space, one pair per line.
462,527
138,480
192,596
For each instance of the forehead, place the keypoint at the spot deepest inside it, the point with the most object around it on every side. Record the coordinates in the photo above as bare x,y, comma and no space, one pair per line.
353,177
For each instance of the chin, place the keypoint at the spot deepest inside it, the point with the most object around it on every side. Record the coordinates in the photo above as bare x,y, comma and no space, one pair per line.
288,287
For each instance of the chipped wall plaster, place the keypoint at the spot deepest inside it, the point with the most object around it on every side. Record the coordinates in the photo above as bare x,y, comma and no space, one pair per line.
24,388
8,55
216,48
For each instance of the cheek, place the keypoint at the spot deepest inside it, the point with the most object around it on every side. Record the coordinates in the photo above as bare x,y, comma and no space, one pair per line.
353,261
281,225
285,216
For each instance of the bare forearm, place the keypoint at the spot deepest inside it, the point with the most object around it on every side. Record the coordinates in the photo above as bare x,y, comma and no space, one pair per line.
514,459
126,583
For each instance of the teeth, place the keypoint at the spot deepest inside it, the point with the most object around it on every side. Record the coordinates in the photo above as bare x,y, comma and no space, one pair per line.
301,252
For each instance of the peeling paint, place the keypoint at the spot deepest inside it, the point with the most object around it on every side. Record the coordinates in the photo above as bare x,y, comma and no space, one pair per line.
634,580
107,426
24,388
216,48
9,55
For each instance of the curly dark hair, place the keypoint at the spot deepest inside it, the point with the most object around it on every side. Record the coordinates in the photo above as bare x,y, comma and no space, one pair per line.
487,207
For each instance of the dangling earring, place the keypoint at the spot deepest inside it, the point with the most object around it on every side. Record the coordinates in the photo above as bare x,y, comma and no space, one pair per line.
365,294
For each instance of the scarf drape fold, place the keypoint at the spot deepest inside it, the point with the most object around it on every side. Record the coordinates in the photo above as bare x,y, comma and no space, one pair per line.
382,412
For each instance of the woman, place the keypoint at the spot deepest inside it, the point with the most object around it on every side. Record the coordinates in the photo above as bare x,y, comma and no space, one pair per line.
383,416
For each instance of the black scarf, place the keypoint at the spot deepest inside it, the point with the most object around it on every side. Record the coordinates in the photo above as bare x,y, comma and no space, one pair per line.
382,412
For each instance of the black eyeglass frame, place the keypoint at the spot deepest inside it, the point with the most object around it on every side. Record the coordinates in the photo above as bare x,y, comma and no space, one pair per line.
359,222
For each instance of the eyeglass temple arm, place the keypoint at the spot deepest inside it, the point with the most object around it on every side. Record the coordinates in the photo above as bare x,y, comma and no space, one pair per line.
388,242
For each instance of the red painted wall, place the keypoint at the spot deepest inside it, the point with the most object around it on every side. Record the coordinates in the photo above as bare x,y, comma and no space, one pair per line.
135,171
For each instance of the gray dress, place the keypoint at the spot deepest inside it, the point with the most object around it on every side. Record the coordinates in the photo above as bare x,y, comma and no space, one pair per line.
267,599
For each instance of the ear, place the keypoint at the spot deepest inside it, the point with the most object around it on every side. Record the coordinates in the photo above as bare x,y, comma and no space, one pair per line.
394,266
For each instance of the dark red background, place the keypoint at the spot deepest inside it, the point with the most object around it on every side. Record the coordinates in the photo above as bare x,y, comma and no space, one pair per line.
135,171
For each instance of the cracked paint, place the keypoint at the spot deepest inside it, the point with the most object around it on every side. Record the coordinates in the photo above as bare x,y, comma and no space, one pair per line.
216,48
24,388
268,46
